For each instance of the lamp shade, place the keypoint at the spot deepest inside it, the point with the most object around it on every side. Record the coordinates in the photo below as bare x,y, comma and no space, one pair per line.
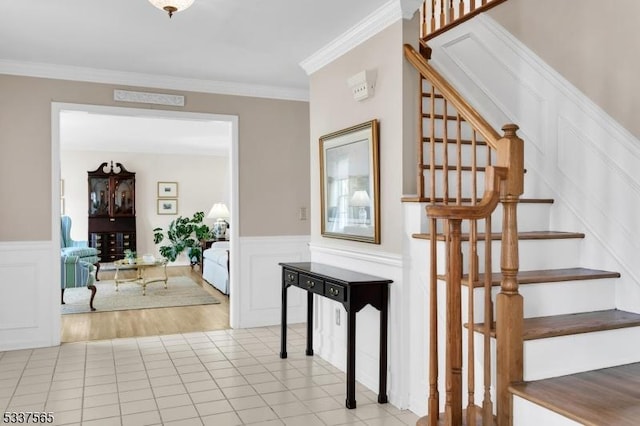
219,211
172,6
360,199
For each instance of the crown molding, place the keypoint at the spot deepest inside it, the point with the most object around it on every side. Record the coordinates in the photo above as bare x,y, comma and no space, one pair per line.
95,75
377,21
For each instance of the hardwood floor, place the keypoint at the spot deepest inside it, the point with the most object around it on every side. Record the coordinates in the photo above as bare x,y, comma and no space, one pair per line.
149,322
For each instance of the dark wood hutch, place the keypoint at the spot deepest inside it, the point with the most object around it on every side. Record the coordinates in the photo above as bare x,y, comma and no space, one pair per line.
112,211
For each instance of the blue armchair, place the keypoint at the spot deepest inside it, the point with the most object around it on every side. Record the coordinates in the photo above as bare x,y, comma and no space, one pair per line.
77,273
81,249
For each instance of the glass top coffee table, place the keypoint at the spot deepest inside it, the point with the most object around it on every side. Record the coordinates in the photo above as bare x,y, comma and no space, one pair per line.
141,268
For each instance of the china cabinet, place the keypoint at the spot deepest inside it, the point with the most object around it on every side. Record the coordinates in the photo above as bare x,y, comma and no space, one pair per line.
112,211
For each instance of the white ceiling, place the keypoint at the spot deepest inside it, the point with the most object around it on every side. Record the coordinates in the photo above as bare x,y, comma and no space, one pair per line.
214,43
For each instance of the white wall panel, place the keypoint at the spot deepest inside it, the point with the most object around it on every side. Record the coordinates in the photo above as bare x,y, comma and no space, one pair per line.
29,295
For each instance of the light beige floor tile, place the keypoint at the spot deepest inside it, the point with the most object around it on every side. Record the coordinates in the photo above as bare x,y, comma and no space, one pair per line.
138,406
66,394
34,398
136,395
213,407
98,400
407,417
305,394
256,415
384,421
173,379
238,391
178,413
228,382
336,417
224,372
201,385
100,389
67,417
159,372
31,389
304,420
142,419
134,375
290,409
222,419
101,412
111,421
133,385
173,401
195,377
206,396
99,380
57,406
269,387
196,421
191,368
281,397
36,379
169,390
247,402
323,404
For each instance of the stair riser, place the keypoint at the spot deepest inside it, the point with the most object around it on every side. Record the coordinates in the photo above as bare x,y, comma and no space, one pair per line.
533,254
526,413
531,217
559,356
554,298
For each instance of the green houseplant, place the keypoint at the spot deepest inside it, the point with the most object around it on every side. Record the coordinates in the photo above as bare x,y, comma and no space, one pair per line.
183,233
130,255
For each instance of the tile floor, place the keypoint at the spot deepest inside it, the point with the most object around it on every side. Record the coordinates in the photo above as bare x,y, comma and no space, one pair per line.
227,377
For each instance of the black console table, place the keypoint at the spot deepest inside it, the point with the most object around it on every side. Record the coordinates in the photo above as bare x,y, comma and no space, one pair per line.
354,290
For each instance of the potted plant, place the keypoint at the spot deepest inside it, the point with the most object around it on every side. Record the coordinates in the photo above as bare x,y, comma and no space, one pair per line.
130,256
183,233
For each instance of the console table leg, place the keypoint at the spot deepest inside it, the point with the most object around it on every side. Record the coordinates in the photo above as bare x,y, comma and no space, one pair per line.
309,323
283,322
382,393
351,359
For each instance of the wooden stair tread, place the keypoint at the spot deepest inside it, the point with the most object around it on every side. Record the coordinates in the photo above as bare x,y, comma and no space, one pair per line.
609,396
570,324
547,276
530,235
451,140
467,200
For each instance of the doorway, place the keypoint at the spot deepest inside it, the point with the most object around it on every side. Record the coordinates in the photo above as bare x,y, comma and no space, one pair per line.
61,112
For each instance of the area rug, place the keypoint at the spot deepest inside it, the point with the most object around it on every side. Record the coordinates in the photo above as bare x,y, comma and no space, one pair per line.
180,291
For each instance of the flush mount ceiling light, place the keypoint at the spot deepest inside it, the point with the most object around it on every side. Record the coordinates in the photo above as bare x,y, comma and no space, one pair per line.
172,6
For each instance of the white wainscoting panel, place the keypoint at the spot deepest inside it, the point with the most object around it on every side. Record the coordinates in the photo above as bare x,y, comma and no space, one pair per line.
330,338
29,296
587,161
260,279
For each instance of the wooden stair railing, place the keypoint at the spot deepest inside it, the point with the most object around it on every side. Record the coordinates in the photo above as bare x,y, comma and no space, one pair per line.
450,188
438,16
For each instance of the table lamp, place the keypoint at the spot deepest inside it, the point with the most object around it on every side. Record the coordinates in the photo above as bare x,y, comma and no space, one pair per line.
361,199
220,212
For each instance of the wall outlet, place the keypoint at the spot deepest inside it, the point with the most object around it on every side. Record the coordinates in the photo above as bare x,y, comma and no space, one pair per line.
302,213
337,316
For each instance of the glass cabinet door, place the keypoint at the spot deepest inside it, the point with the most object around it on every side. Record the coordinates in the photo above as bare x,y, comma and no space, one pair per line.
124,199
99,196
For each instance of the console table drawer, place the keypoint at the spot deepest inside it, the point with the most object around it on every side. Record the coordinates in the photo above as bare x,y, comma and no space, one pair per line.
311,284
290,277
335,292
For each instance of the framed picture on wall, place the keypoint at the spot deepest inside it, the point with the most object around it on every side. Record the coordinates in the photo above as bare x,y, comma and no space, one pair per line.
349,184
167,189
167,206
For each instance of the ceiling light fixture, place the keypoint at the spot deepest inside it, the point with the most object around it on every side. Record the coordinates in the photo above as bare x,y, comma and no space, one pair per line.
172,6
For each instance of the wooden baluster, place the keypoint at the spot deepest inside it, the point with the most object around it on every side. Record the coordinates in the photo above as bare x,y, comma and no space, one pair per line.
459,159
434,396
453,405
445,153
433,16
461,12
509,301
474,168
472,277
472,6
487,404
451,13
442,14
421,171
432,146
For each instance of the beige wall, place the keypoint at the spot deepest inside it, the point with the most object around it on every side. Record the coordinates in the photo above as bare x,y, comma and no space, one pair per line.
333,108
592,43
273,153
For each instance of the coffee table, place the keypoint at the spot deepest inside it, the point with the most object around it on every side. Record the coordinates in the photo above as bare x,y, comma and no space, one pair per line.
141,268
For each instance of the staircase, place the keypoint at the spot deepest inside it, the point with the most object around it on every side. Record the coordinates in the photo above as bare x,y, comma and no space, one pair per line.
561,355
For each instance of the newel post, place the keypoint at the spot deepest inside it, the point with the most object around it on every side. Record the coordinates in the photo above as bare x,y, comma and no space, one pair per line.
509,302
